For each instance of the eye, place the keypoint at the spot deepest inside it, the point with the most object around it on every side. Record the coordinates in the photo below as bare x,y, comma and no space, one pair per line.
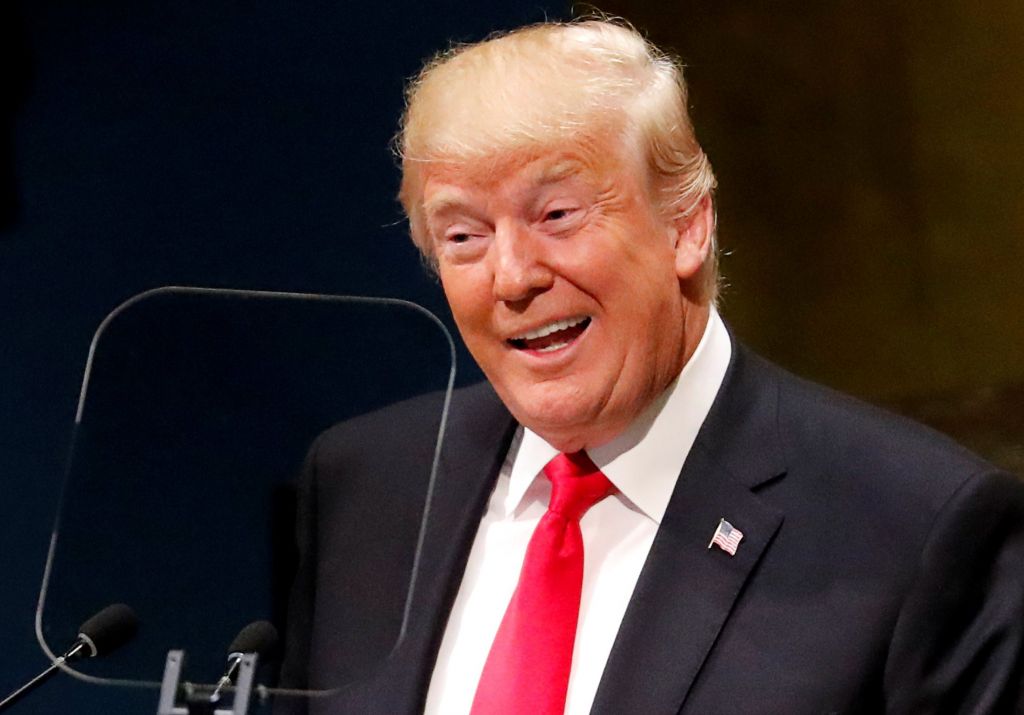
458,234
559,213
461,244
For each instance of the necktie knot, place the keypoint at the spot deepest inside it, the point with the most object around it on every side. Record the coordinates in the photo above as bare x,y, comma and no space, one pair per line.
576,485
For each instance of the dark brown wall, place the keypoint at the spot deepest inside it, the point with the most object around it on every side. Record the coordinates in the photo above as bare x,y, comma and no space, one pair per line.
870,157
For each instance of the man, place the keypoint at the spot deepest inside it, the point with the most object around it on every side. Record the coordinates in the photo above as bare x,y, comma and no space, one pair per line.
759,544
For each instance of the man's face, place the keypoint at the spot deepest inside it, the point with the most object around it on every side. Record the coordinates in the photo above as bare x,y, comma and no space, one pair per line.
564,280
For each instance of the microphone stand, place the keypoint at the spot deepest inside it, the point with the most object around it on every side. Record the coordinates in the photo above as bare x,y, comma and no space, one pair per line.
201,701
75,651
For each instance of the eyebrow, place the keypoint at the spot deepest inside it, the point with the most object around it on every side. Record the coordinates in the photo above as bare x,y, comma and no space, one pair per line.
559,171
447,200
444,201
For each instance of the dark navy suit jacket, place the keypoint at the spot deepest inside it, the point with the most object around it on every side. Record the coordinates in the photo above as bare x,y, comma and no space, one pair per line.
881,569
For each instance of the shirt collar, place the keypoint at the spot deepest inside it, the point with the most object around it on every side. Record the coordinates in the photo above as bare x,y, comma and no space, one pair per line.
644,461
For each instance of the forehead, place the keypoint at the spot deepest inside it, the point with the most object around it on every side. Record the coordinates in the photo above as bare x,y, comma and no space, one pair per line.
447,182
594,162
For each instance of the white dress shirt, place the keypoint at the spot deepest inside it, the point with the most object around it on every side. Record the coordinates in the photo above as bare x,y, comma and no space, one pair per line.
643,463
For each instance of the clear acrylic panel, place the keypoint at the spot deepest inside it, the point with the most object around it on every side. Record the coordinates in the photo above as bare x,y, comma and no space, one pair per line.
197,408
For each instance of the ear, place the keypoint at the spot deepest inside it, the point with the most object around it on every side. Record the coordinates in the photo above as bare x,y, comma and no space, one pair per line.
692,236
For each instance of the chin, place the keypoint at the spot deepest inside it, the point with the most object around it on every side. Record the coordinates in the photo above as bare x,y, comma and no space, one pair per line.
556,412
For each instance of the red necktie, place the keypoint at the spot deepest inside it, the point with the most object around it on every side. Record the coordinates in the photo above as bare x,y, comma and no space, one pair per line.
527,670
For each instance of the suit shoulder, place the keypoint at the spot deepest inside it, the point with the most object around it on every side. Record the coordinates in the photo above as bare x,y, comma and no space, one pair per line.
415,423
846,436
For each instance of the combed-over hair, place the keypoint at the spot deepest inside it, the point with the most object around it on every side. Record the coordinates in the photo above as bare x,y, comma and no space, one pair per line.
548,84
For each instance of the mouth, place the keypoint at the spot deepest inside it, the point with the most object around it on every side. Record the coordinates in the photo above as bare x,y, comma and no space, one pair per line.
553,336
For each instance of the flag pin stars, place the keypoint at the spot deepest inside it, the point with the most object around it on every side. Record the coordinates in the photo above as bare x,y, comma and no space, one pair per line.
727,537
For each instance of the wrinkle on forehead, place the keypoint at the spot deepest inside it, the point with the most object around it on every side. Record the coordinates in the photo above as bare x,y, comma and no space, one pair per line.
542,164
453,191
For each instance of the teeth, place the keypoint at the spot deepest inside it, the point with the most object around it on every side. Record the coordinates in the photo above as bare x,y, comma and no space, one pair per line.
551,328
551,347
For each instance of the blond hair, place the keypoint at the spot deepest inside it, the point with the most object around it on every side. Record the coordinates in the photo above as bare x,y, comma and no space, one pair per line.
547,84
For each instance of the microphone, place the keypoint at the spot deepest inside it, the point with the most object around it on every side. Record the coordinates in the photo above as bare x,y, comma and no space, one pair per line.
104,632
107,630
259,637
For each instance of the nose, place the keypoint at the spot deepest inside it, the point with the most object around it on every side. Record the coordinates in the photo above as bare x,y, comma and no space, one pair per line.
520,267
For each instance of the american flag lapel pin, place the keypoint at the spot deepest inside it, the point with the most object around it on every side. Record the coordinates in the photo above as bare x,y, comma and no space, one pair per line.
727,537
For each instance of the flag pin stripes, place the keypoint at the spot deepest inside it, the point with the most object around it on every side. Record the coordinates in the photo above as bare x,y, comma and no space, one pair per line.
727,537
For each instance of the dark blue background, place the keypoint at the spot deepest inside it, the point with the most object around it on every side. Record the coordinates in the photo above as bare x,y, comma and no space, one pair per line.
148,143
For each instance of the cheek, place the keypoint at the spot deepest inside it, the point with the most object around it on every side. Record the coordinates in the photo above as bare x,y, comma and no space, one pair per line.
625,276
468,296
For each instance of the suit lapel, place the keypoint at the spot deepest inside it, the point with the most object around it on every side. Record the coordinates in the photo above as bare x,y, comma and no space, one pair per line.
467,470
686,591
465,477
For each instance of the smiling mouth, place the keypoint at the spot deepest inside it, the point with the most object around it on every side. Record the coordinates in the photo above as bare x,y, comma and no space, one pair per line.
553,336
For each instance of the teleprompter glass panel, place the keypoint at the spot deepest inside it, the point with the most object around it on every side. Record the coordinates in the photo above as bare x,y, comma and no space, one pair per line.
197,409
